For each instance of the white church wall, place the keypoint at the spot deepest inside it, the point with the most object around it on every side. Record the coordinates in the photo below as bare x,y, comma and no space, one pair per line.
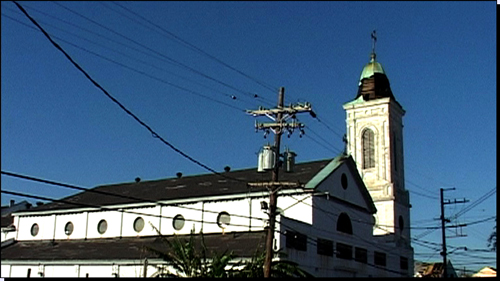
189,212
134,218
5,270
23,271
79,222
297,207
384,218
60,271
79,268
235,209
96,271
112,220
45,227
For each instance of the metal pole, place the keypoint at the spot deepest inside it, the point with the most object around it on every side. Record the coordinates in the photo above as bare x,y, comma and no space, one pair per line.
273,197
145,273
445,270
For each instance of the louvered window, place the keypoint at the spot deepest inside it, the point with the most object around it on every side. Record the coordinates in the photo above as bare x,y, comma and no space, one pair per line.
325,247
344,251
403,263
368,145
380,258
361,255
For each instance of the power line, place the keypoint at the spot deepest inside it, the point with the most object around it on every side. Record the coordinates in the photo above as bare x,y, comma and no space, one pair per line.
416,241
128,56
271,88
171,60
331,149
118,103
101,208
340,211
328,127
475,203
137,199
141,72
314,243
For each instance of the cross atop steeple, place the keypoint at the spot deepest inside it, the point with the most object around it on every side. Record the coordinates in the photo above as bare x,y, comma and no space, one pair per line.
374,38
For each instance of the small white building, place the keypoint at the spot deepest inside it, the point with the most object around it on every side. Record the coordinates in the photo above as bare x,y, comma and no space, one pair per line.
341,217
486,271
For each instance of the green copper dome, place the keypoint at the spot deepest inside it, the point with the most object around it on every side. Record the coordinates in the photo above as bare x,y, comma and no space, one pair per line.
373,83
371,68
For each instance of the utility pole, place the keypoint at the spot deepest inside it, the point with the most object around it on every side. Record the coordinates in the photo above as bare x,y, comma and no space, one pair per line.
443,227
279,115
273,200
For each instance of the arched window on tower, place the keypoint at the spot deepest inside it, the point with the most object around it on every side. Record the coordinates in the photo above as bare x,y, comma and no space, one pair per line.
368,146
344,224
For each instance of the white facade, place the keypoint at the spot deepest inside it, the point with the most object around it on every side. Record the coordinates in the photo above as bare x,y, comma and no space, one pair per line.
80,268
313,211
385,181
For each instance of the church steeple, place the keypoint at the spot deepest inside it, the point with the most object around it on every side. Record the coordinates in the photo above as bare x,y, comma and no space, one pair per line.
373,82
374,122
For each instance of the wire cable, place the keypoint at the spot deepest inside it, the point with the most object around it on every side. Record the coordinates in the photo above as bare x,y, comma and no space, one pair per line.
101,208
127,56
137,199
170,60
141,72
475,203
119,104
265,85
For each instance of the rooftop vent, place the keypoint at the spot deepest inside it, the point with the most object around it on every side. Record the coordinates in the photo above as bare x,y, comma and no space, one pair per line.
12,202
227,169
138,179
179,175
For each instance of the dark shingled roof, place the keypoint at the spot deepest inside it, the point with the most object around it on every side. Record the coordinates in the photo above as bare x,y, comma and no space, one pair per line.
7,220
375,87
242,244
183,188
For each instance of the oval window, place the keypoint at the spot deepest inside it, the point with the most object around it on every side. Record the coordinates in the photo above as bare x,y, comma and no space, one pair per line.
68,229
102,226
343,181
223,219
178,222
138,224
34,229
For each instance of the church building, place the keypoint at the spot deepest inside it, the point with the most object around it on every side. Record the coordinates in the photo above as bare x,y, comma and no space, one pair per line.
342,217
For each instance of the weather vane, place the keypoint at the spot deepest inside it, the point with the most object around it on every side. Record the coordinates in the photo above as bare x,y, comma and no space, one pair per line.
374,37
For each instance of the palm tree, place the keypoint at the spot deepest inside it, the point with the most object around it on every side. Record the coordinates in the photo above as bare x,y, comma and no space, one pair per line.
279,268
188,260
181,256
492,240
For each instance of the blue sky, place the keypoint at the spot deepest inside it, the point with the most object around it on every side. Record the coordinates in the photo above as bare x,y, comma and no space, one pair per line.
440,58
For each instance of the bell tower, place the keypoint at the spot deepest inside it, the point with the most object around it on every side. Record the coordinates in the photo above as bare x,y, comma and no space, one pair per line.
374,122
